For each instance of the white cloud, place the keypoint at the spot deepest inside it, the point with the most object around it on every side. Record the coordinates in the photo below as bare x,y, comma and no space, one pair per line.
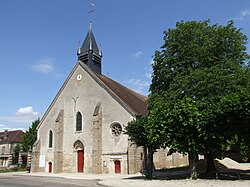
138,85
141,85
26,111
23,115
4,127
242,15
138,82
137,54
43,65
151,62
149,72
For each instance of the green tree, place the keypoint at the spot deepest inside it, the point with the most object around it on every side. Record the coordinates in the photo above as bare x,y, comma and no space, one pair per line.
235,114
138,135
16,151
195,72
193,45
30,136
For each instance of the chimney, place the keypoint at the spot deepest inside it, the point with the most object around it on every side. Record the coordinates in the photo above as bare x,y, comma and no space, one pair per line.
5,134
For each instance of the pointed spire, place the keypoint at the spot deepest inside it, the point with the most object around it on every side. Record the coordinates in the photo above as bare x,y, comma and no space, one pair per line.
89,53
90,26
79,49
89,42
90,45
100,50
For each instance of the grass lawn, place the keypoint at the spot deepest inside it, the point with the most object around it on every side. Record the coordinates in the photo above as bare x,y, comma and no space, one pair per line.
7,170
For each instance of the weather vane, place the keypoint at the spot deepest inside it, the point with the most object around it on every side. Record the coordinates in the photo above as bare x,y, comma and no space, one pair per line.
91,10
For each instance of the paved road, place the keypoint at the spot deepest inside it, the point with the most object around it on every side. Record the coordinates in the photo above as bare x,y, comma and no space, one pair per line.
30,181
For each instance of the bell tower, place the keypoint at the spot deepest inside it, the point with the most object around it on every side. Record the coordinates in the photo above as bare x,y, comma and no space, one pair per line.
89,53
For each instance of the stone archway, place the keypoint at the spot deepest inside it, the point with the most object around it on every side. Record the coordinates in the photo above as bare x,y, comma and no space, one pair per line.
78,146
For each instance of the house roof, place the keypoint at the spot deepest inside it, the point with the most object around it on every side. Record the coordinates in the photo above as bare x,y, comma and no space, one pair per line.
11,136
135,101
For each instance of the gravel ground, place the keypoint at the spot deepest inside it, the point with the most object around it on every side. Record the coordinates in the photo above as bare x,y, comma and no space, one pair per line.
175,183
168,179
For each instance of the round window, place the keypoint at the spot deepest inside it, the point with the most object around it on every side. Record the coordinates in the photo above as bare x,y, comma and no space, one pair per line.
116,129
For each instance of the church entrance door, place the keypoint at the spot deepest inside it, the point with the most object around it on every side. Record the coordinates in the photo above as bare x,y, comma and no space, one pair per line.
80,159
50,167
117,166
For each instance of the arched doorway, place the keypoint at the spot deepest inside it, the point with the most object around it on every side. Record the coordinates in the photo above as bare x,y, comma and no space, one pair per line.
50,167
117,166
78,146
80,161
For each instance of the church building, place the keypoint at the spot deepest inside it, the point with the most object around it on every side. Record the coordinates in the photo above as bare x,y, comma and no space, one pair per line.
81,131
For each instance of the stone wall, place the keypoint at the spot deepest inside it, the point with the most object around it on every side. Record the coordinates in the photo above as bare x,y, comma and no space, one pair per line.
58,141
35,157
135,159
97,141
162,160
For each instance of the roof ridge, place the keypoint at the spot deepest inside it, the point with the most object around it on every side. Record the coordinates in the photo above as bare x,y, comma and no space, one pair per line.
11,131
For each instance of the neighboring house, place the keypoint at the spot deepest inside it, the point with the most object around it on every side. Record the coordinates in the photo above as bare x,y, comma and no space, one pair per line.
8,141
81,130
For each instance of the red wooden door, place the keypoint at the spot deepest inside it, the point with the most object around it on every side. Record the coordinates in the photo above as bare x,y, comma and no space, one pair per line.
50,167
117,166
80,163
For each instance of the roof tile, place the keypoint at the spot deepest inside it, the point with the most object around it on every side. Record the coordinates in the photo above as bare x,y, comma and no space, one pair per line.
134,100
11,136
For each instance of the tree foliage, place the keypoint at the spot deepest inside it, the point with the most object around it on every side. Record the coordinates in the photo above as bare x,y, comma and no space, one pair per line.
16,151
177,125
30,136
193,45
136,130
200,90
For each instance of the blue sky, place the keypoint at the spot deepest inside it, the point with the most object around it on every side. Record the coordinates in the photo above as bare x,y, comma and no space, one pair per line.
39,41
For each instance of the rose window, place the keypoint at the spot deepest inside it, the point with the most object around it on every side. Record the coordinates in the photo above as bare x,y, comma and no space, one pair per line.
116,129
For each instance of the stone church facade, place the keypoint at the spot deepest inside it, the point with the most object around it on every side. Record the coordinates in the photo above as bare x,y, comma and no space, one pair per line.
82,129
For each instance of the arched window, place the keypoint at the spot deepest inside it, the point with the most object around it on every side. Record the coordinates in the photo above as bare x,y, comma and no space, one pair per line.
78,121
50,139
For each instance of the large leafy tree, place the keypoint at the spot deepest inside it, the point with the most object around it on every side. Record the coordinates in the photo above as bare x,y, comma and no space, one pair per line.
194,45
30,136
198,73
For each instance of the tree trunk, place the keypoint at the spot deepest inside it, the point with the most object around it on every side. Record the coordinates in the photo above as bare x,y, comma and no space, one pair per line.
150,163
210,163
145,161
192,166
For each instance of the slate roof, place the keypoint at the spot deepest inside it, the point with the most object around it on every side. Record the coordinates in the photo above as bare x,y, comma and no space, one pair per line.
89,42
11,136
135,101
